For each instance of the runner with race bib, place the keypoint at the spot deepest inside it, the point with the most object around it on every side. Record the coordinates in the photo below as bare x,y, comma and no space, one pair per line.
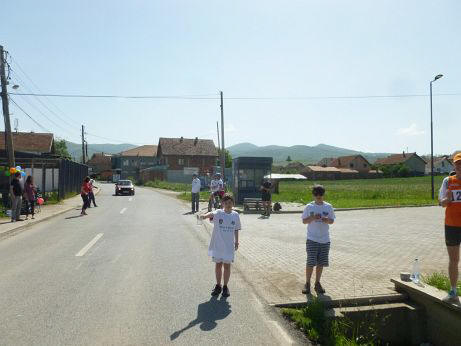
450,198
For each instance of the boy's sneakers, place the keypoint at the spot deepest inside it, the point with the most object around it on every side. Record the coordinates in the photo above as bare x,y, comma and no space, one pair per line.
216,291
452,297
225,291
318,288
306,289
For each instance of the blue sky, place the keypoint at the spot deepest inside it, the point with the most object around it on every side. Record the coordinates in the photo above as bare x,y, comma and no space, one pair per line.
247,49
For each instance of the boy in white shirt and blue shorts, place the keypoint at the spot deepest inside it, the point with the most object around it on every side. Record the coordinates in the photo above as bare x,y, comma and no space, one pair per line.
317,215
224,242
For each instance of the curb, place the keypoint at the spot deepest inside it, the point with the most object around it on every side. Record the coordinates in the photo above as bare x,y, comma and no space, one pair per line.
240,211
349,302
21,228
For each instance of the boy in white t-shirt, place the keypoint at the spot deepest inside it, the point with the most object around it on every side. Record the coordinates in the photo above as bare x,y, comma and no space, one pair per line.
317,215
224,242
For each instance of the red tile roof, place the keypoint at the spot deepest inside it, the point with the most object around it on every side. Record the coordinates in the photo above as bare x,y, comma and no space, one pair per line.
187,147
345,160
30,142
143,150
396,159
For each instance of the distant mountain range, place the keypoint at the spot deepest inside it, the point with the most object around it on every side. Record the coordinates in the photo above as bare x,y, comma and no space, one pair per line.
75,150
302,153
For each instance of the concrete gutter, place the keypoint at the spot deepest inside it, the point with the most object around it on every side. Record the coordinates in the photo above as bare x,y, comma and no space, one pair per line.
299,211
348,302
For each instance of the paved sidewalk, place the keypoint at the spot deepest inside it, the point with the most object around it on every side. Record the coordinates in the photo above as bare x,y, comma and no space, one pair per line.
368,248
8,228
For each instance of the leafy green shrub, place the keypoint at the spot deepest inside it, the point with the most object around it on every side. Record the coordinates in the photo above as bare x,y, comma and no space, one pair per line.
318,328
441,281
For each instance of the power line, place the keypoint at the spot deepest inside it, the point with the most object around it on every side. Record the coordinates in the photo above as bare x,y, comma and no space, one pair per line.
49,119
36,86
198,97
22,83
30,117
110,139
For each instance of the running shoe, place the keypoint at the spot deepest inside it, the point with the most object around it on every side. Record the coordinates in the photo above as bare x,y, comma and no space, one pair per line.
318,288
216,291
452,297
306,289
225,291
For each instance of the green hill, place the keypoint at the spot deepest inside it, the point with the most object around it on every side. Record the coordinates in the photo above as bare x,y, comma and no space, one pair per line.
75,150
302,153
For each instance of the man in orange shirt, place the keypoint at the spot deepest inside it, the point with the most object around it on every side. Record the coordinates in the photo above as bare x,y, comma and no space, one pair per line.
450,198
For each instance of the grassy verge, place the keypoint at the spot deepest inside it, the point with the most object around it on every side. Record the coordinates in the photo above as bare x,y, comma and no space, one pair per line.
441,281
363,192
319,329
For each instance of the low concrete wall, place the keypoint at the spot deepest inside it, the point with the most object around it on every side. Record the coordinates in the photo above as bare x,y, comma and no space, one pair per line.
442,320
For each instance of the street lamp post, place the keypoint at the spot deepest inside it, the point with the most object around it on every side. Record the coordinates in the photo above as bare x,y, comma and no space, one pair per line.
432,136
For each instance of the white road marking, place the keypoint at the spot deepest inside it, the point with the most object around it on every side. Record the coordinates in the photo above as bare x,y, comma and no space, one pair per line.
278,332
282,335
122,211
130,199
88,246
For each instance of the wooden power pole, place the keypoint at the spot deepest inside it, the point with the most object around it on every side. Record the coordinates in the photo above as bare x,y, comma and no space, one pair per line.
83,144
223,148
6,111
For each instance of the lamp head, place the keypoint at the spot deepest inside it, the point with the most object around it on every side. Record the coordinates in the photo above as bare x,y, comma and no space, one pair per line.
438,76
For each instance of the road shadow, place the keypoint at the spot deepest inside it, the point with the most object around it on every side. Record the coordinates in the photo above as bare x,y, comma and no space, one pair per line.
189,213
73,217
207,314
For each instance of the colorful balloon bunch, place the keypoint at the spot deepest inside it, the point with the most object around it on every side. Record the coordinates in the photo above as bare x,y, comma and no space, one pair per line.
13,170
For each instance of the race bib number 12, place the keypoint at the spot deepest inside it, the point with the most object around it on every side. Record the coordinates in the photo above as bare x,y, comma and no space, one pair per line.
456,195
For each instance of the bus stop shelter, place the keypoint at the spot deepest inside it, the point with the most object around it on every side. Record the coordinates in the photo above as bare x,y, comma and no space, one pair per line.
248,174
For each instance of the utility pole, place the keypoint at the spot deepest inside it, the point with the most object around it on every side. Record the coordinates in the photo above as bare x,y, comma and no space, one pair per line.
217,130
83,144
86,149
6,111
223,154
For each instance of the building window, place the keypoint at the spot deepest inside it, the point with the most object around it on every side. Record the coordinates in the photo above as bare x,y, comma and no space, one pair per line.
181,162
351,165
364,165
126,162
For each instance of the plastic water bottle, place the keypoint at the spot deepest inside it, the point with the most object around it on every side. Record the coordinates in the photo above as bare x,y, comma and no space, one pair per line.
415,273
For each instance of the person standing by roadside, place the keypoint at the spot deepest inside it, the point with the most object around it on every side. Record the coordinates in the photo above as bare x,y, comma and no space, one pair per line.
224,242
450,199
91,194
266,197
84,192
16,192
317,215
196,186
29,193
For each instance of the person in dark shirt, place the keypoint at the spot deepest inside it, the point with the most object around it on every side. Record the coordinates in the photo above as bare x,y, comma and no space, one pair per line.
16,192
266,189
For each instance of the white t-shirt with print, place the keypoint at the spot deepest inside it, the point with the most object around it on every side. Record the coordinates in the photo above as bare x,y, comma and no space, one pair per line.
318,230
216,185
222,244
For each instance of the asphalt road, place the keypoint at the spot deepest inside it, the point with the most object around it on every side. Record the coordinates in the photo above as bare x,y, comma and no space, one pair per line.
134,271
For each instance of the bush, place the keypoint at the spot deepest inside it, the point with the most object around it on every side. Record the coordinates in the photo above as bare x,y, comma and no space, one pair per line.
441,281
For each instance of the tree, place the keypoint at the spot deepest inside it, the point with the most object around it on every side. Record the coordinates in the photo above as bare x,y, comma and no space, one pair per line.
61,149
289,158
228,158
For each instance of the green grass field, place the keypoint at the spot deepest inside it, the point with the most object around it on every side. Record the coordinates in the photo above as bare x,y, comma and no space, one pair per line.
363,192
